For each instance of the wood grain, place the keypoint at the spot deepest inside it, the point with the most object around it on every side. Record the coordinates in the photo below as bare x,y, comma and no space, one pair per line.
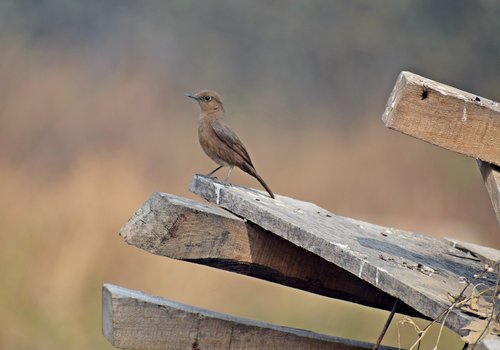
445,116
184,229
491,177
135,320
419,270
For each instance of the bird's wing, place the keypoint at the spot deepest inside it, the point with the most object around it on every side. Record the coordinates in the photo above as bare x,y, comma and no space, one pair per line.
229,137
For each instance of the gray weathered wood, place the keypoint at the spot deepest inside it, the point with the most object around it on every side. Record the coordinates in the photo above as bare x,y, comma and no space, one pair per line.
489,344
491,177
184,229
445,116
421,271
135,320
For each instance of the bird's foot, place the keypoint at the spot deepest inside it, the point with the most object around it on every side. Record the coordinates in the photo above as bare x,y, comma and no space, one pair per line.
213,171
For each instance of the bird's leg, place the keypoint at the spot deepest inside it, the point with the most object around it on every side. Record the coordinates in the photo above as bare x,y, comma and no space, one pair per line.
229,172
213,171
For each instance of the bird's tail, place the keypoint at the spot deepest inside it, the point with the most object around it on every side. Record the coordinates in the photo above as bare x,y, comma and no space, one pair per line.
251,170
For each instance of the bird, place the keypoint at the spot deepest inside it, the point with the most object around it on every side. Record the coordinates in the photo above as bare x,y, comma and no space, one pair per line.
218,139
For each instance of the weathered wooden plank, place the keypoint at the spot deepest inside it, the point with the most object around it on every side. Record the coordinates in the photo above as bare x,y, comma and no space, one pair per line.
421,271
184,229
491,177
135,320
445,116
489,344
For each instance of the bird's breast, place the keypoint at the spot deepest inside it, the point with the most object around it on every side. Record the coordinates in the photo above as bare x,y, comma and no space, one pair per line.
209,141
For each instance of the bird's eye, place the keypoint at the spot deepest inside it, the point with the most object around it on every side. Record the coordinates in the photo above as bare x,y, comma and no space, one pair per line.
207,98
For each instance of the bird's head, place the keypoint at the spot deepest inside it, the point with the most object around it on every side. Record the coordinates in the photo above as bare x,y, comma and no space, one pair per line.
209,101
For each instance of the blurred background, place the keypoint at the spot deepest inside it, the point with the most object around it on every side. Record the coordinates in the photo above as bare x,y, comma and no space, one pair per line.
93,119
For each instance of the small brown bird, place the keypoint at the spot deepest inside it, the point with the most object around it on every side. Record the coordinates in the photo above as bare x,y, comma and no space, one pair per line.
218,140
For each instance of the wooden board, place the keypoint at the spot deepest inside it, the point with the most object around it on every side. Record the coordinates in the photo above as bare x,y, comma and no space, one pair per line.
491,177
489,344
135,320
184,229
421,271
445,116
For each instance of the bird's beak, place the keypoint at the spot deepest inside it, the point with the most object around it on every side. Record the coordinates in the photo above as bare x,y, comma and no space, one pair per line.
194,97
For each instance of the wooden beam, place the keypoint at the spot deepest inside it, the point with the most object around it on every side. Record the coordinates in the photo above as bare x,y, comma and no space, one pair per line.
491,177
445,116
184,229
135,320
420,270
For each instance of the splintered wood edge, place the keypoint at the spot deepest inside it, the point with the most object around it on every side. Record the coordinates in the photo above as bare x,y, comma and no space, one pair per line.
491,177
445,116
133,320
184,229
485,254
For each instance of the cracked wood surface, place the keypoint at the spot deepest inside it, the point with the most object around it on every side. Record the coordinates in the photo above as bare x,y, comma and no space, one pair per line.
419,270
486,255
184,229
445,116
135,320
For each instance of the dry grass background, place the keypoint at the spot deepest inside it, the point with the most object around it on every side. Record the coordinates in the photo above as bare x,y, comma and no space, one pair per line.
80,152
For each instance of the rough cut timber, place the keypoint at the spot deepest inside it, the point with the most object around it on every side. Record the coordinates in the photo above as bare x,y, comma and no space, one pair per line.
491,177
184,229
421,271
445,116
134,320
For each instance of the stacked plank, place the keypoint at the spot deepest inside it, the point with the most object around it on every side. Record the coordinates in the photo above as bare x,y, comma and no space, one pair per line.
303,246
